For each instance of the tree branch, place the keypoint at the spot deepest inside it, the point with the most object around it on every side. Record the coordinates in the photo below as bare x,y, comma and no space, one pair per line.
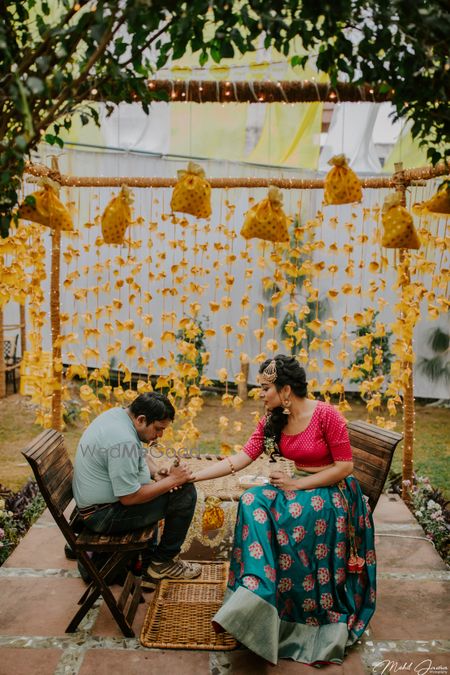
149,42
46,40
107,37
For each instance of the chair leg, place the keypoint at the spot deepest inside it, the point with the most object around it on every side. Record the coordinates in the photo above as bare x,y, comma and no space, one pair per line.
108,568
102,589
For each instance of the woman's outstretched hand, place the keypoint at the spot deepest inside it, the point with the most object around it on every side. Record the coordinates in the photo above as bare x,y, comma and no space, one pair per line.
281,480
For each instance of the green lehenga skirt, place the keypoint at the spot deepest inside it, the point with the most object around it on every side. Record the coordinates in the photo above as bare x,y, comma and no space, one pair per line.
290,591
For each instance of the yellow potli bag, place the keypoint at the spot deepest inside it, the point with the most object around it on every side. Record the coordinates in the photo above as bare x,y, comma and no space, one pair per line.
192,193
342,185
438,204
117,217
267,220
213,515
45,207
399,231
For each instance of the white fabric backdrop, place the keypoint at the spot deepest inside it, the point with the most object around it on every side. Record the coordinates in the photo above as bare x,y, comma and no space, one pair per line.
129,164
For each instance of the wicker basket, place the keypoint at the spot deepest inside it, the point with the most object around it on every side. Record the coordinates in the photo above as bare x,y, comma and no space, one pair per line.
180,614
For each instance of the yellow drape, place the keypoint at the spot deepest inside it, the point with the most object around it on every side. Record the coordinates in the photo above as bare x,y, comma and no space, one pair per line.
208,130
290,136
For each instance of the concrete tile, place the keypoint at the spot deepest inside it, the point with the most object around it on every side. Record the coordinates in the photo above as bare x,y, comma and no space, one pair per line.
244,662
411,610
105,624
150,662
26,661
38,606
392,510
41,548
393,662
399,553
46,516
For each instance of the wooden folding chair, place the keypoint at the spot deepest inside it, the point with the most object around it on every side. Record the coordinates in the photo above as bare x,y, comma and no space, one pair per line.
373,449
53,471
12,362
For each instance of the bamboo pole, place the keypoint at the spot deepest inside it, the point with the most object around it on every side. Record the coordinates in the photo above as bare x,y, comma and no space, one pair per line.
55,321
2,355
23,330
410,176
408,396
242,387
55,330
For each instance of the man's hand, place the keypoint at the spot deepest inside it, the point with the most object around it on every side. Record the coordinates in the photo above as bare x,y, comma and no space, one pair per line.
181,472
160,474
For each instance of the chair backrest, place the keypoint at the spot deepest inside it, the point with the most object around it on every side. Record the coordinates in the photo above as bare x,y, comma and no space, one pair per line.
7,348
373,449
53,470
10,349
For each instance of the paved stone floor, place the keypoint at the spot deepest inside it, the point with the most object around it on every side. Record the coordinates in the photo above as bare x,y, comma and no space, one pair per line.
410,632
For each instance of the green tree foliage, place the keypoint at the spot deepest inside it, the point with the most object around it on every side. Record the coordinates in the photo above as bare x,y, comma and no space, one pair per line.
294,331
59,55
375,359
437,367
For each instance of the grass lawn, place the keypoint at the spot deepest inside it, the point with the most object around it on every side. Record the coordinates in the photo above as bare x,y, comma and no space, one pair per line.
431,453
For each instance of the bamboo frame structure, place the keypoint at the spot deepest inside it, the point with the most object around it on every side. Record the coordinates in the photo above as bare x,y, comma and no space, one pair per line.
400,180
2,359
408,177
23,329
264,91
408,397
55,320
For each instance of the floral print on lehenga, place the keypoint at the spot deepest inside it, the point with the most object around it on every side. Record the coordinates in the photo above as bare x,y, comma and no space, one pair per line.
290,594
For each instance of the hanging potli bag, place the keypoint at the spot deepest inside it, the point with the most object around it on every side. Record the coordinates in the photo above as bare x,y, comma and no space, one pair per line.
267,220
192,193
117,217
399,231
45,207
438,204
342,185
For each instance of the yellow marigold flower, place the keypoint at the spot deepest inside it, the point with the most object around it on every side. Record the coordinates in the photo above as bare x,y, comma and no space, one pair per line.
272,345
223,374
86,393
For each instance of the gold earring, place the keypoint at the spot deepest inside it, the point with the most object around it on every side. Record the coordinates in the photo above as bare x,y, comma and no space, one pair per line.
287,404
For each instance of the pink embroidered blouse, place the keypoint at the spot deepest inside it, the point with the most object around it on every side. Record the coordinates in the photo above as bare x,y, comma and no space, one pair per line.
324,441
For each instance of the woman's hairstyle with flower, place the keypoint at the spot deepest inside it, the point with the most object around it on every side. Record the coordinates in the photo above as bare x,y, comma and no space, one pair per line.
288,371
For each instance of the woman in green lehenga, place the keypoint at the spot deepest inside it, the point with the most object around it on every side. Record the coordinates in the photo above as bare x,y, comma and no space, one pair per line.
302,581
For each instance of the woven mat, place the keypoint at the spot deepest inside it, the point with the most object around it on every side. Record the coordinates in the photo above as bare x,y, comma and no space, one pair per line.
180,614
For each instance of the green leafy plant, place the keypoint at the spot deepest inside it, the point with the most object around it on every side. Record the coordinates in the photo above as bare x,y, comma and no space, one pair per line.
18,511
192,335
378,353
61,57
429,507
9,535
437,367
71,411
294,281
